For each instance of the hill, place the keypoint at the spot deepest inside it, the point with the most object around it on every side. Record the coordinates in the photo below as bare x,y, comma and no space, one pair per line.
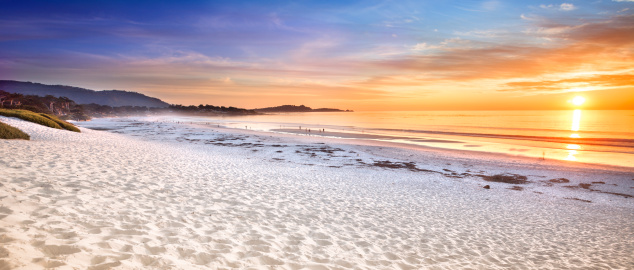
113,98
300,108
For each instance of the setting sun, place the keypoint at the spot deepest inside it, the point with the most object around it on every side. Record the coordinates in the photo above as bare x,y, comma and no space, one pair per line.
578,100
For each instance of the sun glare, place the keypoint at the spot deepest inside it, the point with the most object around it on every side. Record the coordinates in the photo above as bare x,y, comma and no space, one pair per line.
578,100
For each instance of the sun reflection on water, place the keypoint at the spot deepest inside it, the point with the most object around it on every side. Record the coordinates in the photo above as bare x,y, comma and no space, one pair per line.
571,155
576,120
572,148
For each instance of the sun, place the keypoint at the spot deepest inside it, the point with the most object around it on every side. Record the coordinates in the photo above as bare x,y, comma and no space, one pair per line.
578,100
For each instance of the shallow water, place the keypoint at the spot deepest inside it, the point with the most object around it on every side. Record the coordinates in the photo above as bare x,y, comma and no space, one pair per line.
603,137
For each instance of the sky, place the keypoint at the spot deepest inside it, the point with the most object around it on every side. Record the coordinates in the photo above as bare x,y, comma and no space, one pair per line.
359,55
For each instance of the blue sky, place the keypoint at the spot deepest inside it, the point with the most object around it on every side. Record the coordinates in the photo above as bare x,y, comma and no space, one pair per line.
394,54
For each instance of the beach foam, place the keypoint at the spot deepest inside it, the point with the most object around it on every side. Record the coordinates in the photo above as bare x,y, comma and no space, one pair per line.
166,195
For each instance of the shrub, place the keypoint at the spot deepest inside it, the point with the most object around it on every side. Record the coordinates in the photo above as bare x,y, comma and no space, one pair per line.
39,118
30,116
9,132
62,123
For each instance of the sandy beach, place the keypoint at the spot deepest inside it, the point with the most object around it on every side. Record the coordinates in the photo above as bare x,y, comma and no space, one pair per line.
147,193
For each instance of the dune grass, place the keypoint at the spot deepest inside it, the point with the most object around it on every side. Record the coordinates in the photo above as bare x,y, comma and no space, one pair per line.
60,122
9,132
39,118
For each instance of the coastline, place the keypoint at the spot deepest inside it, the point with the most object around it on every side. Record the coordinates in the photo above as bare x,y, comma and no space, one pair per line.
473,154
597,143
167,195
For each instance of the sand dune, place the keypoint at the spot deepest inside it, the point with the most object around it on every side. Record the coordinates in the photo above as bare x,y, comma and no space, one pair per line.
169,196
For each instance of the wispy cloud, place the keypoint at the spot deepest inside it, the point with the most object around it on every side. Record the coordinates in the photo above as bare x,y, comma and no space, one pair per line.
567,7
562,7
581,45
591,82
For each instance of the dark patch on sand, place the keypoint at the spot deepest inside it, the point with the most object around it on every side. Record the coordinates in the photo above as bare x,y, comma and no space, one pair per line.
614,193
323,149
103,128
577,199
559,180
453,174
518,188
552,182
506,178
588,187
395,165
398,165
581,185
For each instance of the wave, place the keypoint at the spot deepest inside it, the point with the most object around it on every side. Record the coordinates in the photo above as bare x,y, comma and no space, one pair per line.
615,142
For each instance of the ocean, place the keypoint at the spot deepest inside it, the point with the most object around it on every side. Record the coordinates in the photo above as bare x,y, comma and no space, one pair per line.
589,136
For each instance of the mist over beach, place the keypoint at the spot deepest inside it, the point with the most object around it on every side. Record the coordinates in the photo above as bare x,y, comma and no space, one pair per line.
316,135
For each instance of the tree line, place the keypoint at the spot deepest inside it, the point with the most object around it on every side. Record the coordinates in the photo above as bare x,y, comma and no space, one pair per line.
68,109
63,107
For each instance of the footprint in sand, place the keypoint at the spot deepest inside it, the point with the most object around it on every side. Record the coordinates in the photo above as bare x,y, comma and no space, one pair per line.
153,261
105,266
203,258
55,250
48,263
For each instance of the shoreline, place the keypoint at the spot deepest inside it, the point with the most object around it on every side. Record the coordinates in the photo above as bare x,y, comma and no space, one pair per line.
579,153
376,140
472,155
451,163
178,196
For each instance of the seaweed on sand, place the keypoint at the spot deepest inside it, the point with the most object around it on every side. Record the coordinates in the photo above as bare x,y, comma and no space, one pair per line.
506,178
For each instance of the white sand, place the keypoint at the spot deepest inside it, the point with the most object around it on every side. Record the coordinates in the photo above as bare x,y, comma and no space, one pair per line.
191,197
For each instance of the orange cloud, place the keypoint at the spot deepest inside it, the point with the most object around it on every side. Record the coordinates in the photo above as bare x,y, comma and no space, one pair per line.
600,81
604,45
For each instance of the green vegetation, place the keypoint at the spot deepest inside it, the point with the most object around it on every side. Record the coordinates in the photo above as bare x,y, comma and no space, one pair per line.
31,117
65,108
39,118
9,132
62,107
62,123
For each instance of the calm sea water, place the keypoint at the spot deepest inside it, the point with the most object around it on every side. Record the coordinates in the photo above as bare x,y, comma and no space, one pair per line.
604,137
